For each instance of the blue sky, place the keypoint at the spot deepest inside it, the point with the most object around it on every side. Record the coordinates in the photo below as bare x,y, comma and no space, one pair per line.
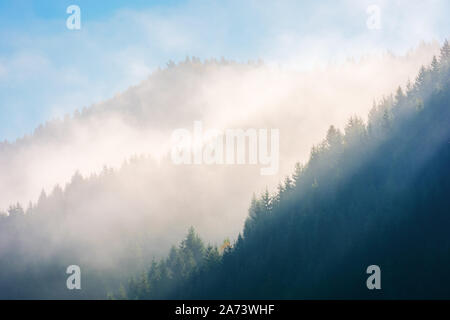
47,70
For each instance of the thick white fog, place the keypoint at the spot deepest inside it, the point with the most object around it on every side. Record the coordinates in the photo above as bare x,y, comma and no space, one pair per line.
165,199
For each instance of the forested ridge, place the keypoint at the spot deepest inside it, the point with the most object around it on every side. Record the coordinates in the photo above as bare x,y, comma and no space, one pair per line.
377,193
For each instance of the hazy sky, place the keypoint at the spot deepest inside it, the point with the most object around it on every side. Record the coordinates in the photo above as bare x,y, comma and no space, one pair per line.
47,70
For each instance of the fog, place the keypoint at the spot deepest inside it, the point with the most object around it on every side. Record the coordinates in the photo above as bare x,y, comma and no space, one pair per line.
127,185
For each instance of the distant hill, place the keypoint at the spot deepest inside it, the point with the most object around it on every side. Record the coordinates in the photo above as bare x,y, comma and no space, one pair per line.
220,93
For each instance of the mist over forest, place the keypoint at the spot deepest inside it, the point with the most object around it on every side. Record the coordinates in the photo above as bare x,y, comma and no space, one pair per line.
98,188
372,195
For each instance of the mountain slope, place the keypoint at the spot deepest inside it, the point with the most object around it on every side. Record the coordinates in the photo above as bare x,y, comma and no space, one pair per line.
376,194
112,223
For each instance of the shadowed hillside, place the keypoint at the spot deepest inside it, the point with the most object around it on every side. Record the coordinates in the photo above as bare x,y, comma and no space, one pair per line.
113,223
375,194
